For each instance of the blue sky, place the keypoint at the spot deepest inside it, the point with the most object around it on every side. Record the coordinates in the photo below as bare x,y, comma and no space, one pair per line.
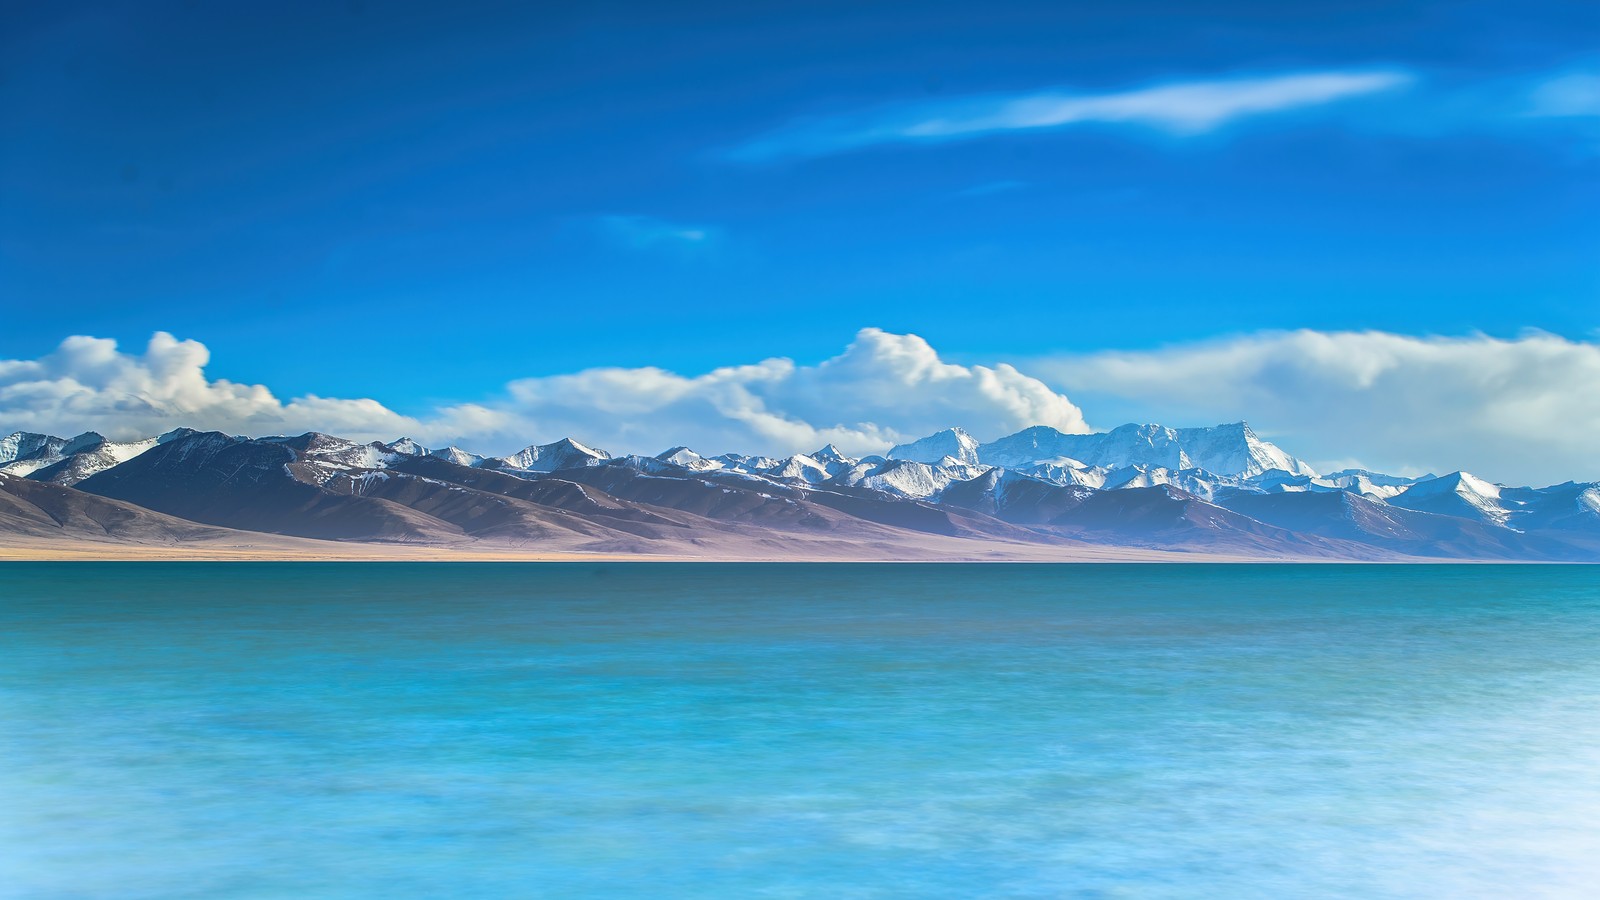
422,204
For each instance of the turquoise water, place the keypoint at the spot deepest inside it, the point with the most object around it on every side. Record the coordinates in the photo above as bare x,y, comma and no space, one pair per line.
508,730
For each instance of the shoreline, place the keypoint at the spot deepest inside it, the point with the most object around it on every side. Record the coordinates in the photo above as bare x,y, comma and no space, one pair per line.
90,552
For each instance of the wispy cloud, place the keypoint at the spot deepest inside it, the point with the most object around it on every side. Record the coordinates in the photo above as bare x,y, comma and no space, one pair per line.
1182,108
1572,94
645,232
988,188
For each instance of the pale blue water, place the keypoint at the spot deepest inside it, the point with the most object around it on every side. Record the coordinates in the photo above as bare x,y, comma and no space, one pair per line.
440,730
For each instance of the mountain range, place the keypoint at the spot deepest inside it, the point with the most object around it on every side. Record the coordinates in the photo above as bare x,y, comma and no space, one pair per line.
1135,492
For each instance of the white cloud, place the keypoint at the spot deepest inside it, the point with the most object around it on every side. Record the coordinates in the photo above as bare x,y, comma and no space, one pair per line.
88,384
1182,108
883,389
645,232
1524,410
1572,94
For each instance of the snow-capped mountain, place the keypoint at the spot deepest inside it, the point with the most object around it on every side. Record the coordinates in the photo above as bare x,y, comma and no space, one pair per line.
1223,449
810,468
688,459
91,459
1367,484
800,467
30,452
1458,494
563,454
1572,505
25,445
952,443
457,456
909,478
1219,489
321,457
67,462
831,454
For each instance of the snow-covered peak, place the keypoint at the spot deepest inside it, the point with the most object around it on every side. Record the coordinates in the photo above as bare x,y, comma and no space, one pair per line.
319,457
679,455
748,464
1368,484
1064,471
339,452
1462,483
1346,476
563,454
1589,499
683,456
951,442
1457,494
1234,449
65,461
830,453
86,441
909,478
406,447
1229,450
799,467
456,455
91,458
1199,482
20,445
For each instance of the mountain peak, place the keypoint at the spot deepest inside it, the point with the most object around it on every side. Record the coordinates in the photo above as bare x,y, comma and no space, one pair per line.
682,456
456,455
954,443
406,447
563,454
82,442
829,453
1231,449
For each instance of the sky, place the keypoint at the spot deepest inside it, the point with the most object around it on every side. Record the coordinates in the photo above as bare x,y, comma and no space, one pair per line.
1368,228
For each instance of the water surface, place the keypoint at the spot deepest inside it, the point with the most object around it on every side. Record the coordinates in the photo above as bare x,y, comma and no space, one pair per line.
521,730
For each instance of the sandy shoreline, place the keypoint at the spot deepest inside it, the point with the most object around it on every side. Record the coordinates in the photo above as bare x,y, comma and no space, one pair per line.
305,550
297,550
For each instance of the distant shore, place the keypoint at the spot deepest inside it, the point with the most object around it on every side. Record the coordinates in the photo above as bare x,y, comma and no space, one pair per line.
303,550
273,548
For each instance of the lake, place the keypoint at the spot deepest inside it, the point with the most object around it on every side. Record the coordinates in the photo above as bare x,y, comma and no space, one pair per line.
225,730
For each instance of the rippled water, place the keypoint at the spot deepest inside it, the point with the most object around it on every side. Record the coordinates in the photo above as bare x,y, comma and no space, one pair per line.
507,730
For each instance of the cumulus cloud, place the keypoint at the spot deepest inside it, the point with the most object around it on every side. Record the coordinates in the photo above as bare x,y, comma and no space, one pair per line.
1183,108
1523,410
883,389
1520,410
87,383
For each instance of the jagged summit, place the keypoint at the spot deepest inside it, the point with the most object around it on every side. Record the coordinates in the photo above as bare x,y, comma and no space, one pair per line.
1230,449
406,447
1151,486
953,443
456,455
1457,494
24,445
563,454
829,453
688,459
